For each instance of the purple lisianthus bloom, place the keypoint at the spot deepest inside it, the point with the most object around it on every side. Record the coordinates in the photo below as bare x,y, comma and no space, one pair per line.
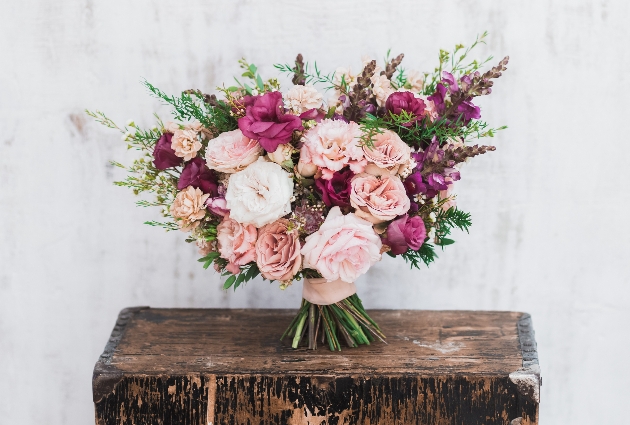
266,122
405,232
336,191
164,155
218,206
313,114
437,181
198,175
414,184
438,98
398,102
448,78
468,111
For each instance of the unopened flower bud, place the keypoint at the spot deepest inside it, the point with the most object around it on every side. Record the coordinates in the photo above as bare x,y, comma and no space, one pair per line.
131,123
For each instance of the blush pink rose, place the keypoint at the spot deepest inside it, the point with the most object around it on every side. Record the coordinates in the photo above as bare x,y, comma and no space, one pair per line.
236,243
378,199
278,251
231,152
388,155
344,247
331,145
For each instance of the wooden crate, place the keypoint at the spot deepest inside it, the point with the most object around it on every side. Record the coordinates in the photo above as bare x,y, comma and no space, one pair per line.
201,367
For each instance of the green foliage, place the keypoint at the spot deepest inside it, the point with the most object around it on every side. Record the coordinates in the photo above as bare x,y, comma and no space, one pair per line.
426,254
454,61
209,259
168,225
248,272
314,77
447,221
188,106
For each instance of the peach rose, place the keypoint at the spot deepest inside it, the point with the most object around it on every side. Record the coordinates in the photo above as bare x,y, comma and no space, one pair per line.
344,247
303,98
231,152
189,207
381,87
331,145
185,141
236,243
389,155
281,154
278,251
378,199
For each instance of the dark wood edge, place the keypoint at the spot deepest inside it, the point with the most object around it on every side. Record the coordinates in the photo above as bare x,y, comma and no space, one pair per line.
105,378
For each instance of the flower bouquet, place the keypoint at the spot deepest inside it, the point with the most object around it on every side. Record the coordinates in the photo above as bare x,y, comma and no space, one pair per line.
285,185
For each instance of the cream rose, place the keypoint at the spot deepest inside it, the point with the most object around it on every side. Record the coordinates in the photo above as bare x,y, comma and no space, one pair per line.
189,207
331,145
388,155
378,199
260,194
231,152
415,81
344,247
236,243
278,251
281,154
185,141
303,98
381,87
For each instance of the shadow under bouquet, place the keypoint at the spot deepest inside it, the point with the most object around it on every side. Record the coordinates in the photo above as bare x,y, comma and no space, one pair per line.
288,186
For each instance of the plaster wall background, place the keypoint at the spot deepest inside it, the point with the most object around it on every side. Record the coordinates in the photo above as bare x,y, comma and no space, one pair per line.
551,228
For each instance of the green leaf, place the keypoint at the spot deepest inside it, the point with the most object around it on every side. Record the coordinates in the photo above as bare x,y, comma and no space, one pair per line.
229,282
253,68
210,256
259,82
239,280
446,241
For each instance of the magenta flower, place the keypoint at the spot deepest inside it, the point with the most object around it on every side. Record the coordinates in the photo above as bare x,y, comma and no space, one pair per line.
405,101
164,155
198,175
266,121
336,191
405,232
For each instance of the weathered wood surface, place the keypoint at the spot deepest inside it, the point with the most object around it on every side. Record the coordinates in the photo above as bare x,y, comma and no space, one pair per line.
194,366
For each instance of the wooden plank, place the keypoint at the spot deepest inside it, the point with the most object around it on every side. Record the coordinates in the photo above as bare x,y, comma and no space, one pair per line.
194,366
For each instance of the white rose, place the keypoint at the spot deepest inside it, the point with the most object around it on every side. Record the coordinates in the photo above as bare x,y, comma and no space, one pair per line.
260,194
303,98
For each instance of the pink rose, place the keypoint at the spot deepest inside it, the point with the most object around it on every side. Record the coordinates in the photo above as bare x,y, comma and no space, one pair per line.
405,232
344,247
236,243
378,199
231,152
388,155
331,145
278,251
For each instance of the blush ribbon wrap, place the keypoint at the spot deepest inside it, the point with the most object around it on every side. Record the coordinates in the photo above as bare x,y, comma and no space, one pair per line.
321,292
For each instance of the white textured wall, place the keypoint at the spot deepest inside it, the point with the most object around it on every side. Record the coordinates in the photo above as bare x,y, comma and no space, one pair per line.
551,228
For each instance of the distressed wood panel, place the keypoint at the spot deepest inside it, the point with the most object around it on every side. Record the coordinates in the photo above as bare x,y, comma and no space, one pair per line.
196,366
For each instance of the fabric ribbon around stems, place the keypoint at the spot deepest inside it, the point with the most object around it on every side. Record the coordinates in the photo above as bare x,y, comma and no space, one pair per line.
321,292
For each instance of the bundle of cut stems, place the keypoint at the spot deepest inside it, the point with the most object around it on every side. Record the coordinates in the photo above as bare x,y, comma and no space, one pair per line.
346,318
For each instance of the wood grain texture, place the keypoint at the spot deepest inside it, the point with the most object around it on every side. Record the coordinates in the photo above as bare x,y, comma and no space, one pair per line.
196,366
